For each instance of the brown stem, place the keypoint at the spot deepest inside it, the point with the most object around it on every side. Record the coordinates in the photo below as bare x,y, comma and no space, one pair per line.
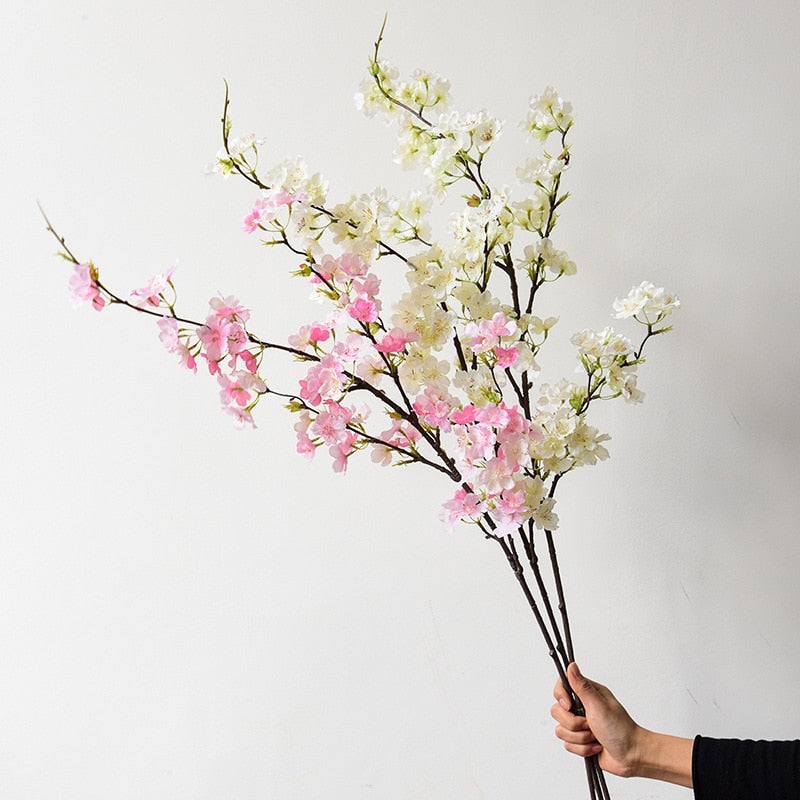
590,778
601,780
510,550
533,560
562,603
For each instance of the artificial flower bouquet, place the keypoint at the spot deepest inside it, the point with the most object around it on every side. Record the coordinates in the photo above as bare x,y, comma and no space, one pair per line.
446,375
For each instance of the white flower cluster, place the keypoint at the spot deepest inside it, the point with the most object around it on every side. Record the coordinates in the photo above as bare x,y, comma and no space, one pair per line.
237,151
568,441
548,113
459,348
646,303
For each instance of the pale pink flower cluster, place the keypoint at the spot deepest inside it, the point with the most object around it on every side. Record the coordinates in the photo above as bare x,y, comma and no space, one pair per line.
333,426
152,293
487,334
175,342
494,445
399,437
84,287
327,381
312,335
224,344
266,208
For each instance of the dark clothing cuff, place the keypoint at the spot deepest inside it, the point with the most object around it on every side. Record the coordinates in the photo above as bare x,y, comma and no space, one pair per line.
735,769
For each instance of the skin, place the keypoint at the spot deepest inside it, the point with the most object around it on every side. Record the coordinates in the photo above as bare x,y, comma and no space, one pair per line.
607,731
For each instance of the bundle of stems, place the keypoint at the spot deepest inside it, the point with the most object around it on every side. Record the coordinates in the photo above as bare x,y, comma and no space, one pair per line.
555,629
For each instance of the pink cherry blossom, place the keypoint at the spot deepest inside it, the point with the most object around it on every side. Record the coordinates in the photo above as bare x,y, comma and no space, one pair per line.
381,454
213,366
496,475
169,336
331,423
150,293
232,393
352,265
506,356
249,381
324,379
400,434
241,416
250,363
495,415
339,455
266,207
251,220
228,309
168,327
482,439
84,288
463,416
434,407
463,505
259,211
318,333
325,269
237,338
485,335
305,445
312,334
369,287
364,310
396,340
510,510
214,336
351,349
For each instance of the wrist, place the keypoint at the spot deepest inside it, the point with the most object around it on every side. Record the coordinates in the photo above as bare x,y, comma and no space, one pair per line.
662,757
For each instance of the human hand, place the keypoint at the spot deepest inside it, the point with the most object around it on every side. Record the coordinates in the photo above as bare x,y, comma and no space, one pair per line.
607,731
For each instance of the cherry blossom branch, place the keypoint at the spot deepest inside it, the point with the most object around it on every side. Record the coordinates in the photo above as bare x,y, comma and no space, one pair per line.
375,72
251,176
461,156
413,456
355,382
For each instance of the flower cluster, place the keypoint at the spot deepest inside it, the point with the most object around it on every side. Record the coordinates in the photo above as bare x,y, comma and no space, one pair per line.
225,345
84,287
231,354
450,366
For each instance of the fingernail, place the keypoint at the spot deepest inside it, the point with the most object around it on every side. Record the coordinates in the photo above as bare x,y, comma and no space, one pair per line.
578,670
564,703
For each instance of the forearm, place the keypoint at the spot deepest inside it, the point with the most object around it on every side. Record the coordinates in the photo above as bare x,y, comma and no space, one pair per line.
664,758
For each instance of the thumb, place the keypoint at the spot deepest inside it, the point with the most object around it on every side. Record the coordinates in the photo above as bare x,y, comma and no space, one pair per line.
588,692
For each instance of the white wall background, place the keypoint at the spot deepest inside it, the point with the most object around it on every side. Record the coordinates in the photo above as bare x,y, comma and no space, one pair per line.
191,612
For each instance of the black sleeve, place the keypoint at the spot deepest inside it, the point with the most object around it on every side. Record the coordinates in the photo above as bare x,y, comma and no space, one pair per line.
732,769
